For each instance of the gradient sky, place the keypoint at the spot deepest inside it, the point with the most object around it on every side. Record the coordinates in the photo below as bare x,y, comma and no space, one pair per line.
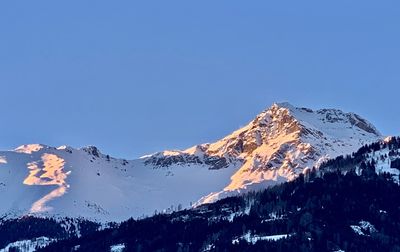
134,78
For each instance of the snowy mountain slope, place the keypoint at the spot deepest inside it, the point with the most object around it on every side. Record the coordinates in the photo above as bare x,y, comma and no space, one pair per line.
69,182
276,146
283,141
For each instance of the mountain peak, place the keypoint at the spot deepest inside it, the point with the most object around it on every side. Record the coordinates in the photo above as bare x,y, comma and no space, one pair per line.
286,105
284,141
307,117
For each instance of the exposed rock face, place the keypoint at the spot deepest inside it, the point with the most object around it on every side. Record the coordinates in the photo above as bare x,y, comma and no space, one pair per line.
92,150
162,160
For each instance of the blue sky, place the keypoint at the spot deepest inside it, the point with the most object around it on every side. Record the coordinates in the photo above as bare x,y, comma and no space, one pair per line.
136,77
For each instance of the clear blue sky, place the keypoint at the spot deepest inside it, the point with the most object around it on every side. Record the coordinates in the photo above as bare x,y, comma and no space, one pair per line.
133,78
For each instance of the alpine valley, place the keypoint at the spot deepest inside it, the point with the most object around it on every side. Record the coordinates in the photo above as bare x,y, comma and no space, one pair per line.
62,195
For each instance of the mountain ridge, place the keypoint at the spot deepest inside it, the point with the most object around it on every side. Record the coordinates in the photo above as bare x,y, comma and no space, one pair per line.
279,144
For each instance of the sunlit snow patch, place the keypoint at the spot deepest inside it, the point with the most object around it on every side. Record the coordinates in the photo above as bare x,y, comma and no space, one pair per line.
48,172
29,148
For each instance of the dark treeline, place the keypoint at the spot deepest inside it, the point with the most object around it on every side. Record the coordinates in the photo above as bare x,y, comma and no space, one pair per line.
349,161
30,227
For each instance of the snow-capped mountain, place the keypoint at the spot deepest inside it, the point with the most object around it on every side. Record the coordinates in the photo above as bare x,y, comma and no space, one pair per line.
284,141
276,146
